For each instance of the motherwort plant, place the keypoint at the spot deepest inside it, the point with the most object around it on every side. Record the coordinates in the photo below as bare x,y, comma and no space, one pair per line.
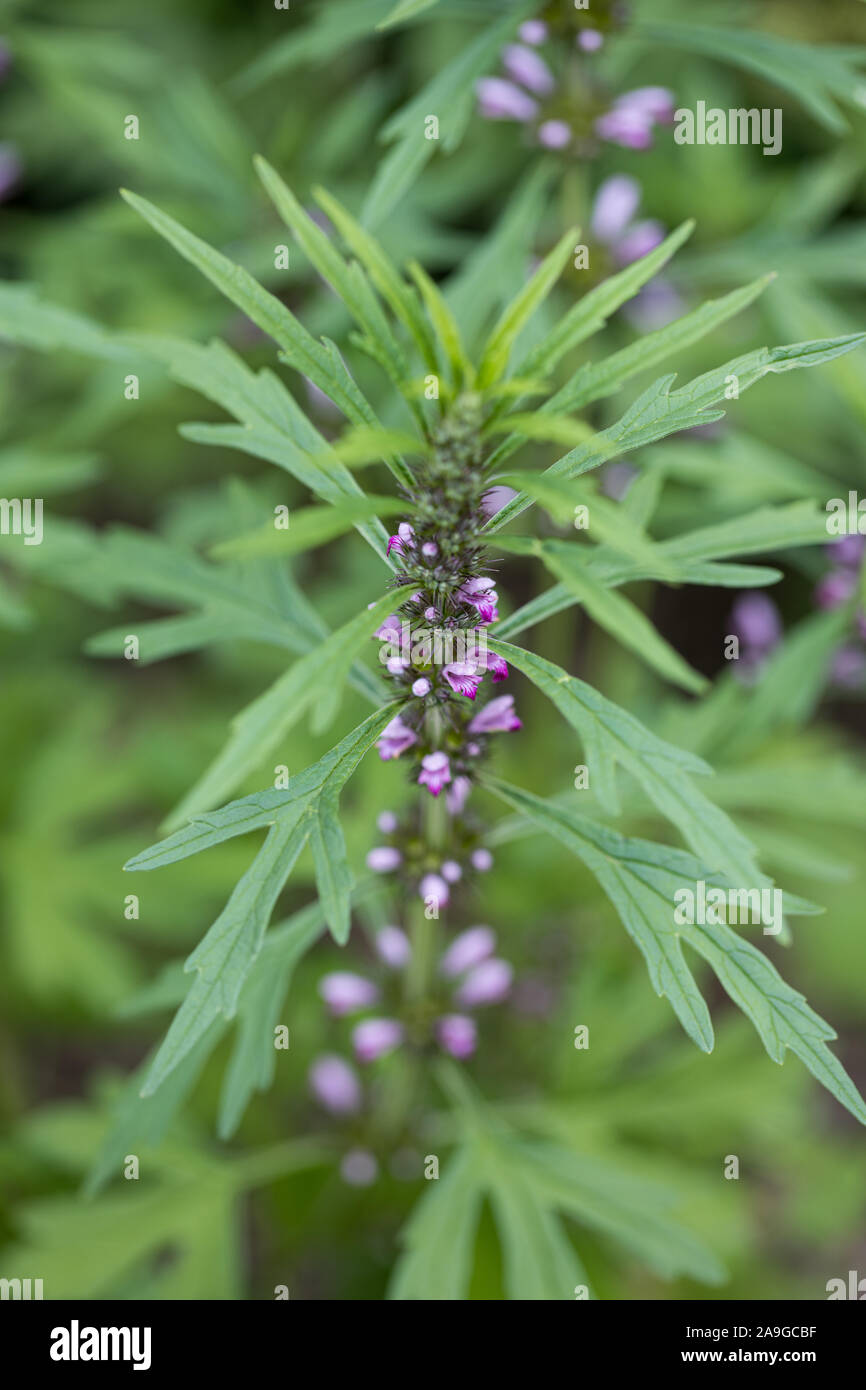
457,415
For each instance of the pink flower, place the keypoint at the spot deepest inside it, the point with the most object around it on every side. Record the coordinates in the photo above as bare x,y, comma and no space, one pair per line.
467,950
430,550
345,993
335,1085
387,822
639,240
495,498
390,630
395,738
403,541
631,129
457,1034
464,678
456,795
481,860
433,886
487,983
590,40
655,102
375,1037
499,100
554,135
435,772
835,588
481,595
528,68
421,687
384,859
533,31
451,871
497,666
616,203
393,947
497,717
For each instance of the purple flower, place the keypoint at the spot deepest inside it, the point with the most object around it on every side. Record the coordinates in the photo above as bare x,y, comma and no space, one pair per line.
464,678
835,588
481,595
528,69
616,203
435,772
657,305
456,795
631,129
495,498
387,822
499,100
403,541
590,40
755,619
497,717
434,886
497,666
390,630
457,1034
639,240
554,135
848,550
467,950
487,983
657,103
393,947
481,860
533,31
384,859
451,871
375,1037
395,738
335,1085
430,550
345,993
421,687
849,666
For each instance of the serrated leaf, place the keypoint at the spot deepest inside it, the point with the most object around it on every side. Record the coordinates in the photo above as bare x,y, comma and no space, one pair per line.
611,610
640,879
316,682
660,411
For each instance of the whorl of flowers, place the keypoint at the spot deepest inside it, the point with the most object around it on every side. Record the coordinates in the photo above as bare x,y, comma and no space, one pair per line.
434,652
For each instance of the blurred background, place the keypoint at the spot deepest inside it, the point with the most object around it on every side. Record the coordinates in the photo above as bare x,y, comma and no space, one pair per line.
95,752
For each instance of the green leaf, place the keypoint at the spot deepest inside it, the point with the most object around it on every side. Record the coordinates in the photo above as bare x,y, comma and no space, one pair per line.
609,522
269,313
611,610
590,314
405,9
25,319
308,528
439,1239
596,380
497,349
641,879
225,954
349,282
660,411
400,296
817,75
445,326
612,736
315,682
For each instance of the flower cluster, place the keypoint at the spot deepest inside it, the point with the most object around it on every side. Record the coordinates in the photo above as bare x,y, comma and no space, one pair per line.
469,976
568,114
